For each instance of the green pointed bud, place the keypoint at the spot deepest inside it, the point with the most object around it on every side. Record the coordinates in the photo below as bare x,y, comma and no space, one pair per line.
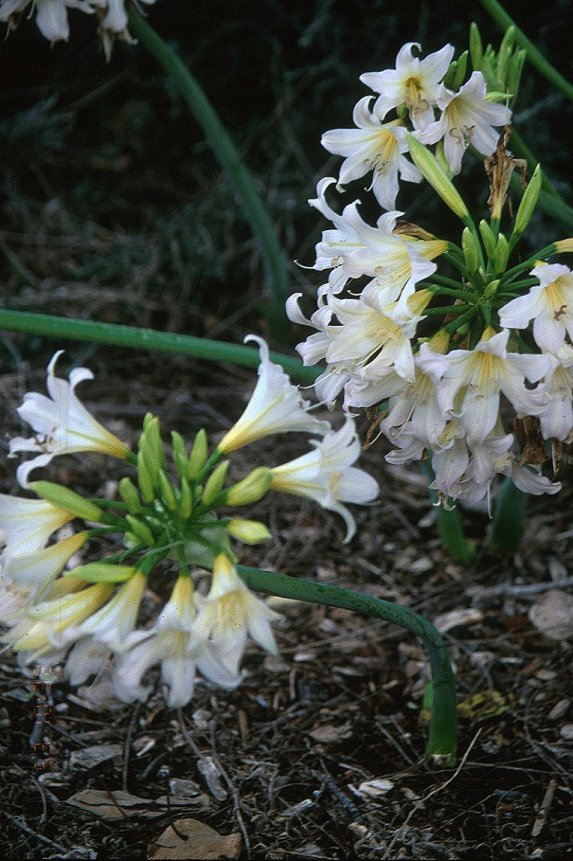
501,254
476,46
487,68
198,456
214,483
167,492
102,572
185,504
129,494
141,531
179,455
149,456
153,439
471,251
437,177
460,71
450,74
491,289
528,203
514,72
144,479
67,499
504,57
252,488
248,531
488,238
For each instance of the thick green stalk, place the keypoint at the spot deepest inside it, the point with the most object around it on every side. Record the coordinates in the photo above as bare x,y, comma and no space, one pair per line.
147,339
507,527
534,55
449,524
443,723
230,160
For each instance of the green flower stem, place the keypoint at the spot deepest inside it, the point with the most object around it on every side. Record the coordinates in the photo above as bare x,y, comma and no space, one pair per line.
147,339
535,57
449,523
447,291
447,309
463,318
230,159
443,723
507,527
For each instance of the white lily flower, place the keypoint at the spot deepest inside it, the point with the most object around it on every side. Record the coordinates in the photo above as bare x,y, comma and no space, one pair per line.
229,614
556,420
43,626
26,524
467,118
373,146
327,475
549,304
40,568
413,82
115,621
482,374
113,23
172,644
357,249
62,423
276,406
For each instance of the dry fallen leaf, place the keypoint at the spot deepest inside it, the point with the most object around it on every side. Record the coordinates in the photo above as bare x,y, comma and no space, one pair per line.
463,616
117,804
374,788
330,732
194,840
552,614
90,757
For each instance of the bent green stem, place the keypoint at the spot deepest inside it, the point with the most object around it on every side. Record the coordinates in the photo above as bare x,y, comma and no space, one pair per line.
229,158
442,738
50,326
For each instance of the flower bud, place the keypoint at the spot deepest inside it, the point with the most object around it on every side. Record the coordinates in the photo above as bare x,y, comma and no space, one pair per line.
67,499
144,479
179,455
141,531
487,237
198,456
437,177
528,203
471,251
214,483
252,488
476,46
564,246
501,254
514,72
248,531
129,494
491,289
102,572
185,499
166,491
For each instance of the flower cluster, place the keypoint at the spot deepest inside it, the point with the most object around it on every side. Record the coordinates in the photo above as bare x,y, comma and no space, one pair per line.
162,534
52,18
444,359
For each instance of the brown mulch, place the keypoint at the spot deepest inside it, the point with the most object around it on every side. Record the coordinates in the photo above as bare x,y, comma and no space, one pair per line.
319,753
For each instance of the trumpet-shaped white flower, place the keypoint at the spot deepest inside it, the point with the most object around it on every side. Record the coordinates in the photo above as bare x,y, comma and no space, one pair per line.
549,304
26,524
113,23
40,568
172,644
467,118
42,627
115,621
413,82
328,476
356,249
373,146
62,424
276,406
556,420
481,375
230,613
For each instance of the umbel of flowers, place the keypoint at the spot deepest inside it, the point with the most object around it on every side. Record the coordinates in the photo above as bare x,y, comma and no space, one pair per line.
172,530
462,350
